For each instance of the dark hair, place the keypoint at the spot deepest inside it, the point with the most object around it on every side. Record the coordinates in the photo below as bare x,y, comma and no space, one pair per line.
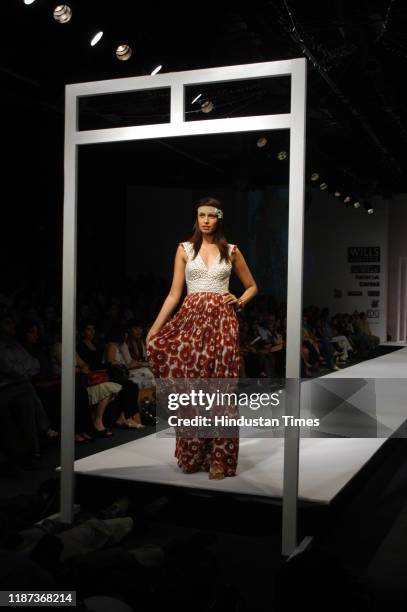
219,237
116,334
82,325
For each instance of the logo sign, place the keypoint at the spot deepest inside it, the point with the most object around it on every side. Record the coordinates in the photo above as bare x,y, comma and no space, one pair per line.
360,254
373,314
365,269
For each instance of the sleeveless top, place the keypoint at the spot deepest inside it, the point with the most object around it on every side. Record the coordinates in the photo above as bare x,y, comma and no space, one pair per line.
200,278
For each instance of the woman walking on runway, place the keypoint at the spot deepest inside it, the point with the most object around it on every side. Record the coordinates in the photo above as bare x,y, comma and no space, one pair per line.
202,339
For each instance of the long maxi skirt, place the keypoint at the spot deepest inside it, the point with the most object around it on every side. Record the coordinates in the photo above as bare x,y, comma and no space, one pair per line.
200,341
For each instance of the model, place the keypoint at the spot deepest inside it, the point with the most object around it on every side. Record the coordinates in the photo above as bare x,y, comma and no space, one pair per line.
202,339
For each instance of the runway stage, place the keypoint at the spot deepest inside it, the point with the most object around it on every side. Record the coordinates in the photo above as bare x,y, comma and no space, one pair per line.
326,464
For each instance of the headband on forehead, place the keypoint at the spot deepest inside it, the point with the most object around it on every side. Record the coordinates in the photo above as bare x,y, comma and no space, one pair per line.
218,212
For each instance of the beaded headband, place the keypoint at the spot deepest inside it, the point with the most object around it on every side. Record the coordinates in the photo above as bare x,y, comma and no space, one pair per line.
218,212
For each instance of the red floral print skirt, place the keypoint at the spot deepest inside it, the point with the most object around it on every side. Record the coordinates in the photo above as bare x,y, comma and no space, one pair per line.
200,341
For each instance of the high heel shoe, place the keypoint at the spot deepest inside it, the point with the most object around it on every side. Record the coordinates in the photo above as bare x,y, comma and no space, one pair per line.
215,473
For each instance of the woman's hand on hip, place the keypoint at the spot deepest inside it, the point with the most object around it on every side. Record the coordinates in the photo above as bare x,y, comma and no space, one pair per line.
229,298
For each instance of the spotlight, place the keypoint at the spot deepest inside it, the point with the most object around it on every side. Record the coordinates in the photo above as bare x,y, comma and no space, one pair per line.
96,38
368,207
282,155
337,194
323,186
62,13
207,106
356,204
124,52
347,200
196,98
29,1
157,69
262,142
314,176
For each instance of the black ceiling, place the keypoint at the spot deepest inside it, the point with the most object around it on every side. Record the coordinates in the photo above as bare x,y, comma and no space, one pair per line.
357,52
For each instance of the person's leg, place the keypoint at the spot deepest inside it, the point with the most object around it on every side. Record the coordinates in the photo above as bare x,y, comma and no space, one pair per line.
31,416
41,417
129,403
98,413
327,353
83,419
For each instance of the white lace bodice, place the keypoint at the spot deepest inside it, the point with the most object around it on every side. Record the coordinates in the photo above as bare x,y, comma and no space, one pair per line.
200,278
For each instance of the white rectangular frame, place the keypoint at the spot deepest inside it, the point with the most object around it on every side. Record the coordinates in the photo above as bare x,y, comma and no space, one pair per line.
177,126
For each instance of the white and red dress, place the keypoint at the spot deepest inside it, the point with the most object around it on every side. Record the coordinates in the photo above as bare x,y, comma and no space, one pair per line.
201,341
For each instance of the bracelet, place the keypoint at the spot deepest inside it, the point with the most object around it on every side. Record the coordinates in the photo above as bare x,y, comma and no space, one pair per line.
240,302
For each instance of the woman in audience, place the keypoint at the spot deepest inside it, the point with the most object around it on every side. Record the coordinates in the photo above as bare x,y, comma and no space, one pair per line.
88,348
29,337
135,357
100,395
326,330
129,415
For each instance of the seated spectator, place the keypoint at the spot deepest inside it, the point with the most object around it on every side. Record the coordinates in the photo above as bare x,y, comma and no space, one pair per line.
88,348
100,395
364,328
129,415
88,414
317,331
21,411
327,331
135,356
29,337
363,338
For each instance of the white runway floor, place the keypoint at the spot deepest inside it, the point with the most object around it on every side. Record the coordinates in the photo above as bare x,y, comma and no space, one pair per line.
326,464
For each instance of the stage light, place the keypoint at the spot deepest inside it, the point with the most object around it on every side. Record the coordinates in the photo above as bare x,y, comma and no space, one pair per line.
323,186
196,98
96,38
356,204
314,176
157,69
368,207
347,200
337,194
207,106
282,155
262,142
62,13
29,1
124,52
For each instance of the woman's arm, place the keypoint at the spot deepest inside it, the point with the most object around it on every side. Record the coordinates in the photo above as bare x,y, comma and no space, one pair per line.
174,295
131,363
111,349
242,271
81,365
